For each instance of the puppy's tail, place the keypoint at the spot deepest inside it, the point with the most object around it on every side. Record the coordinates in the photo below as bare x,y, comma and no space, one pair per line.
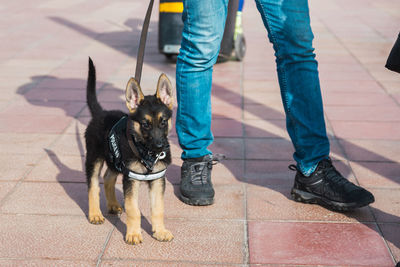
91,97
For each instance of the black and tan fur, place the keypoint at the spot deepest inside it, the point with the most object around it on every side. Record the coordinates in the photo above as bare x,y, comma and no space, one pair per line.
151,121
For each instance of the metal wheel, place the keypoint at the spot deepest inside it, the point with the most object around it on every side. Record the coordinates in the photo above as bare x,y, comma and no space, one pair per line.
240,47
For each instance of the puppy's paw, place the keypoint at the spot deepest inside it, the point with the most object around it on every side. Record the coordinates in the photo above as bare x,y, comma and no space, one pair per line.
114,209
96,218
134,238
163,235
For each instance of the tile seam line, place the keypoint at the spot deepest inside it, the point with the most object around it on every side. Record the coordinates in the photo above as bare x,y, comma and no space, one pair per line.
106,242
109,217
246,252
171,261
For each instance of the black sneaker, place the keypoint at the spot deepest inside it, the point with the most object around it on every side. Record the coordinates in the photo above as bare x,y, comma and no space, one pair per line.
328,188
196,187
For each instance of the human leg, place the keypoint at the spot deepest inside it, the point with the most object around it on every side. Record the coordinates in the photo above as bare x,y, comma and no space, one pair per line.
204,23
203,29
316,181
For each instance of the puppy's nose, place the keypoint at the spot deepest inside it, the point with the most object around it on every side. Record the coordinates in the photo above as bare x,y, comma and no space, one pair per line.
159,144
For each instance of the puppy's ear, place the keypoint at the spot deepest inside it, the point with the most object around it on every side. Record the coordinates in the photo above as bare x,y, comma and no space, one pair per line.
164,91
133,95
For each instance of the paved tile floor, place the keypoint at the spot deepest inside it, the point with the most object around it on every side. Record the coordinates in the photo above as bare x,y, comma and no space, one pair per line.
43,197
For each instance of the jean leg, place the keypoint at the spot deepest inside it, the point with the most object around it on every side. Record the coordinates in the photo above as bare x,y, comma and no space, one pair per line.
204,23
289,30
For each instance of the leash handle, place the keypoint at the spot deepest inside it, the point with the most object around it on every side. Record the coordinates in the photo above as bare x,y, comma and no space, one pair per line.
142,44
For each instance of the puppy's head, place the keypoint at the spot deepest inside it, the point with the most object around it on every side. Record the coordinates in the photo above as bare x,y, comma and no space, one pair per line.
151,115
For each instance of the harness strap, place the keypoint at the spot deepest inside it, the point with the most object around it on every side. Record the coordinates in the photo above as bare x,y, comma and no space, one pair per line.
146,177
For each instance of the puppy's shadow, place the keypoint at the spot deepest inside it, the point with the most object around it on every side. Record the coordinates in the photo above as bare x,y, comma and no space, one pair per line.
77,190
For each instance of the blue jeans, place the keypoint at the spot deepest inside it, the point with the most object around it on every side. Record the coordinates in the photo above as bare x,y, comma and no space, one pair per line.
288,26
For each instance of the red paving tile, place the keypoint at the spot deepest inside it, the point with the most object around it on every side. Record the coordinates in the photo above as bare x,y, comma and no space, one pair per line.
392,235
317,244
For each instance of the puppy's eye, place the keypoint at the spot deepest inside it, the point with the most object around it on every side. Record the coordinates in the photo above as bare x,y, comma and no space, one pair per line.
163,122
145,125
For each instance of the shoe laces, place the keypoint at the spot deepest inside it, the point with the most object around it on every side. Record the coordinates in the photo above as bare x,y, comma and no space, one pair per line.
200,170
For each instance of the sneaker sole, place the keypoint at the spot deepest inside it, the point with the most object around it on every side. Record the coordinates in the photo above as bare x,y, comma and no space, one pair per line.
310,198
197,201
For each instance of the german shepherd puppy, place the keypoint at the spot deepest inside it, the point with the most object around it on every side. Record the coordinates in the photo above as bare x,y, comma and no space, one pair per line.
149,121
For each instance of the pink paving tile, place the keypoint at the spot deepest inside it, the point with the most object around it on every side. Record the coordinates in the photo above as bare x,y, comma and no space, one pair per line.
377,174
366,130
78,126
276,203
228,204
15,167
35,124
232,148
227,128
227,95
269,148
317,244
45,262
357,99
260,86
386,207
5,188
43,108
52,199
266,128
262,98
391,233
51,237
271,112
107,106
223,110
54,94
195,241
391,87
59,168
360,113
70,145
18,143
351,86
372,150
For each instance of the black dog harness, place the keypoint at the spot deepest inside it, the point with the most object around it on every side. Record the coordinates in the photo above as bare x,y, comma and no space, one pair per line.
147,157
